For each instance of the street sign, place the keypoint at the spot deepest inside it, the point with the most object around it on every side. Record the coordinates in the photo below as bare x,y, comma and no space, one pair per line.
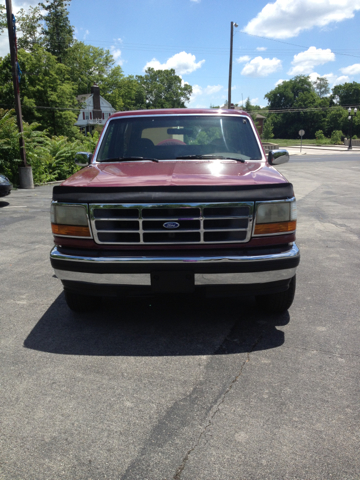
301,133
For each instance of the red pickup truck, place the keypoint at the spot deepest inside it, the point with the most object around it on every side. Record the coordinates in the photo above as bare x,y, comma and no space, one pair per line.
176,201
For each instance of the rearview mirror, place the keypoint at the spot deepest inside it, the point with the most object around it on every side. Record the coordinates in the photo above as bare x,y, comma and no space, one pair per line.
277,157
83,158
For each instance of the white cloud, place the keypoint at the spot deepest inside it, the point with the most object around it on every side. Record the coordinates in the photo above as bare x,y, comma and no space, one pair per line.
86,34
4,44
208,91
351,69
16,6
261,67
331,78
304,62
196,1
254,101
287,18
279,82
183,63
261,49
340,80
211,89
243,59
116,53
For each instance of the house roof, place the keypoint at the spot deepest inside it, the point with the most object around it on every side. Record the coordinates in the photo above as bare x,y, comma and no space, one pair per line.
84,96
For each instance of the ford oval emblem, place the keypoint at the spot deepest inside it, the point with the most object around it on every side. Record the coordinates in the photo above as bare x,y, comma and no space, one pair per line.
171,225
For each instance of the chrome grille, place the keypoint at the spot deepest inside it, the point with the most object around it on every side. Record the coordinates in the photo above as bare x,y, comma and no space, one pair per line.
131,224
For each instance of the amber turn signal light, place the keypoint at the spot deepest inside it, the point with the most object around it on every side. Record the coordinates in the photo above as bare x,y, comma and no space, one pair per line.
70,230
278,227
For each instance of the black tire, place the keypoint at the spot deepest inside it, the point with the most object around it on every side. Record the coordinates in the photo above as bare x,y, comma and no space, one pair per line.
278,302
81,303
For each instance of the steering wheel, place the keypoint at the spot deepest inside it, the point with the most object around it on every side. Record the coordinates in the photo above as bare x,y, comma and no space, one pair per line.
171,141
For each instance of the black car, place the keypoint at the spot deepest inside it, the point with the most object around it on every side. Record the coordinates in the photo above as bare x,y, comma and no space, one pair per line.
5,186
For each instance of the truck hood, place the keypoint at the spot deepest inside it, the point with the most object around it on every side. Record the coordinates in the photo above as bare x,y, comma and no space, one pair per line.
175,173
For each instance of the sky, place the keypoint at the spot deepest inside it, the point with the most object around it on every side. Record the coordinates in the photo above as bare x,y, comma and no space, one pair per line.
274,41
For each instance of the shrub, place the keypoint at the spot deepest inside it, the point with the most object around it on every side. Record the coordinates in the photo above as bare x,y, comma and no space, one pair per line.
51,158
268,129
9,145
319,135
336,137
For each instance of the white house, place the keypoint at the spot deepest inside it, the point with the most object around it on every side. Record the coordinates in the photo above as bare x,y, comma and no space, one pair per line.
95,110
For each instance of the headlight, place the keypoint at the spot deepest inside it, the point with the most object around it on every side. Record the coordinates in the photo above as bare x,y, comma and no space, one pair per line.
277,217
70,220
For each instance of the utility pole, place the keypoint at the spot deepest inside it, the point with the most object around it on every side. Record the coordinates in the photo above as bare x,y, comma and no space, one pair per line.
233,24
25,171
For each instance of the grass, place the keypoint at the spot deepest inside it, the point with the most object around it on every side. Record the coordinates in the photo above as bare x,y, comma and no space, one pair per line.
285,142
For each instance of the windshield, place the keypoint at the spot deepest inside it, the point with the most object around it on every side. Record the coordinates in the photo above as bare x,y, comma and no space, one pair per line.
185,137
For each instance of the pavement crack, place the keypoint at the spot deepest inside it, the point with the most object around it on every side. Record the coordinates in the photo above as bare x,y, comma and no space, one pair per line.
182,466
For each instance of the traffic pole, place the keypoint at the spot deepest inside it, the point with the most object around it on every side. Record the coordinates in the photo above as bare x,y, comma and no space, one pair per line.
25,171
230,63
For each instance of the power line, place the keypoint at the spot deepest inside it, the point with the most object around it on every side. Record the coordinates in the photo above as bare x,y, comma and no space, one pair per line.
295,44
265,110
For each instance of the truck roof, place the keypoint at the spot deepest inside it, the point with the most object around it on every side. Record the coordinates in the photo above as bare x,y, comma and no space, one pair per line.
181,111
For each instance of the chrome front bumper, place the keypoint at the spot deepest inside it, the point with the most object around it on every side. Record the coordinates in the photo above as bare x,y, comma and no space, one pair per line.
244,270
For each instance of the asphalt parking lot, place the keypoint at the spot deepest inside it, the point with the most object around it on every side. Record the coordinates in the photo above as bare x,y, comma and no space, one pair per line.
186,388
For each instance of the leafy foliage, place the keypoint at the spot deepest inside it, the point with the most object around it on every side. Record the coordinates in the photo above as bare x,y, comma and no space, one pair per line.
88,65
319,135
51,158
336,137
321,86
346,94
9,145
28,24
45,84
268,129
58,33
164,89
3,21
297,93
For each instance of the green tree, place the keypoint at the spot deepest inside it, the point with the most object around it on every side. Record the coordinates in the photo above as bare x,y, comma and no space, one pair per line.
297,93
28,26
47,94
128,94
321,86
286,94
164,89
89,65
336,119
346,94
3,20
58,33
9,143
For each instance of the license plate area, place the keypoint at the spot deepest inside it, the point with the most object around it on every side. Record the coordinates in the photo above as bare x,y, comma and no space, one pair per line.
172,282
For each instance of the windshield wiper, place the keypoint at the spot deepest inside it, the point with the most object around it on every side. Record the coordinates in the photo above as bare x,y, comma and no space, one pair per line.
125,159
218,157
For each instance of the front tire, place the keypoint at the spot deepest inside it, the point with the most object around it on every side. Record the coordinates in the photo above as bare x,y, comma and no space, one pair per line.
78,302
278,302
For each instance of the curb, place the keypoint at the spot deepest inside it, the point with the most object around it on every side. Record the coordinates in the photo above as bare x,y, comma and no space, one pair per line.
326,149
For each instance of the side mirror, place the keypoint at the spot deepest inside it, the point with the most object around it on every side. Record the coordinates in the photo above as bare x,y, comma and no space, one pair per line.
83,158
277,157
